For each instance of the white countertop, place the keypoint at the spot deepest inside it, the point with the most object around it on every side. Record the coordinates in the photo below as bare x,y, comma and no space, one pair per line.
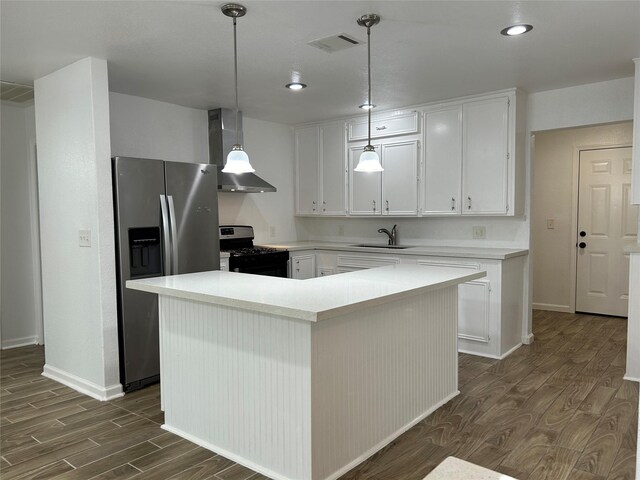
427,250
313,299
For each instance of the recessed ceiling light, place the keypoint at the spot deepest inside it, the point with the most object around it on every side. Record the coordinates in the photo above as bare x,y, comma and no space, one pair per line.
367,106
516,30
296,86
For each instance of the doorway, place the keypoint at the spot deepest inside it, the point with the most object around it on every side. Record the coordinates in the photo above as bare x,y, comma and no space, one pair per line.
607,223
554,208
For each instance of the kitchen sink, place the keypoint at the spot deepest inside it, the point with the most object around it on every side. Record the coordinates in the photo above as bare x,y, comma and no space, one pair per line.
379,245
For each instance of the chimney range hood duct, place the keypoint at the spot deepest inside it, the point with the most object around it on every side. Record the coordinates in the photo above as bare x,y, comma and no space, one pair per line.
222,136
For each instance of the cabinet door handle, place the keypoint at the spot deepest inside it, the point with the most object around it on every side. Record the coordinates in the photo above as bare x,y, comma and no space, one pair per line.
469,198
453,203
324,205
314,206
387,205
374,205
383,127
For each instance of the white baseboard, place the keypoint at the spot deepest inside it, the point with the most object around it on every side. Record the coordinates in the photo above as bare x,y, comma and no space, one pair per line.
510,351
276,476
19,342
491,355
527,339
631,379
552,308
83,386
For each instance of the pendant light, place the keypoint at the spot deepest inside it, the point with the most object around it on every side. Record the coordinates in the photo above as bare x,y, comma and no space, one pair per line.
237,160
369,159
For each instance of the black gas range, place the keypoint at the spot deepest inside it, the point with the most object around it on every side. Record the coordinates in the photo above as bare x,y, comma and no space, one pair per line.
237,240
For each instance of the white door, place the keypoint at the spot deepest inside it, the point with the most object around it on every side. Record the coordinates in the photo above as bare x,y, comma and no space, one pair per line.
399,179
333,169
365,192
607,222
307,164
443,161
485,161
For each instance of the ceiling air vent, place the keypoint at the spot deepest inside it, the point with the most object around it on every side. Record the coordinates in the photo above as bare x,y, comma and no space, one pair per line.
335,43
14,92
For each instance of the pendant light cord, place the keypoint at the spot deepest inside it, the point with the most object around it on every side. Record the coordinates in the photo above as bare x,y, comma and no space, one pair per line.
369,77
235,69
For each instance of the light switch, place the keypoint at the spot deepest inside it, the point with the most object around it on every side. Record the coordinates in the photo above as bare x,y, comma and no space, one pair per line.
84,238
551,223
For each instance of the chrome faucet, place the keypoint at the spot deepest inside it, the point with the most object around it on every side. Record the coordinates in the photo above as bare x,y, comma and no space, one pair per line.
393,234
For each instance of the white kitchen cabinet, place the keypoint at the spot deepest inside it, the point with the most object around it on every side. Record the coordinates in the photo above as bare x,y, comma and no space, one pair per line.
320,169
490,309
391,192
307,164
303,266
386,125
469,163
485,156
332,167
224,264
441,184
365,188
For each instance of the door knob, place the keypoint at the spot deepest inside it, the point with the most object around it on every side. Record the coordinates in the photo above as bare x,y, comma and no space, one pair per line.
582,244
583,233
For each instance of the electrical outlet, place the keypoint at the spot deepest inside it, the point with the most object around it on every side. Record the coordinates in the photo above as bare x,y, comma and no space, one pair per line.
551,223
272,231
341,230
84,238
479,232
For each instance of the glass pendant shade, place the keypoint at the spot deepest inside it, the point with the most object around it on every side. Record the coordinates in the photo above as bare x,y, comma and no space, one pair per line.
238,161
369,161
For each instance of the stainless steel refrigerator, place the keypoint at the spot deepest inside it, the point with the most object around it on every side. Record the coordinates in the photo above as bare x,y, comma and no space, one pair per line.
166,218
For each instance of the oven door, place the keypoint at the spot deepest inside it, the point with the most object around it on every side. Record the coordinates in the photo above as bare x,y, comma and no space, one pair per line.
271,264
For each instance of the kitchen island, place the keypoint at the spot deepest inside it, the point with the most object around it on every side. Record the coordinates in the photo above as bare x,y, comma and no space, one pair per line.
304,379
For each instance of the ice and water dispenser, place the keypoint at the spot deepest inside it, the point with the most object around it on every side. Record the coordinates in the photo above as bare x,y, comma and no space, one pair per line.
145,252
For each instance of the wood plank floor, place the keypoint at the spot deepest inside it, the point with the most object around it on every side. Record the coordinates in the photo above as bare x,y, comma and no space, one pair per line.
556,409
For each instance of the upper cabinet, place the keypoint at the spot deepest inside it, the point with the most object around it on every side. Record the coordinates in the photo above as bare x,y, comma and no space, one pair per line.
474,158
441,184
486,157
391,192
397,123
320,169
466,157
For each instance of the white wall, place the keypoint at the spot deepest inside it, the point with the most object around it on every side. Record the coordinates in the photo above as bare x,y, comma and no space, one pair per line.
21,313
74,175
554,197
150,129
270,148
590,104
501,232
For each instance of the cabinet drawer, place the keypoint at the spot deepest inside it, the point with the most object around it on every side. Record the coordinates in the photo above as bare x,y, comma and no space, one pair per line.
352,262
402,124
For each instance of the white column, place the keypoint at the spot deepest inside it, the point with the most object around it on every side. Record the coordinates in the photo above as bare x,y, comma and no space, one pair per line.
74,186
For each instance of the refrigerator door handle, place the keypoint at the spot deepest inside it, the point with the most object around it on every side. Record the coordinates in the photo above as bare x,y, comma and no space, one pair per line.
166,235
174,235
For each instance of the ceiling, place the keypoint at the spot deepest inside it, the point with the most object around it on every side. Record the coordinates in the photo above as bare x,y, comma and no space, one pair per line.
181,51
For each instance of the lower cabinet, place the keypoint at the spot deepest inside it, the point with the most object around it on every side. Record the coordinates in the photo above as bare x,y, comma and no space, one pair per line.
303,266
224,264
490,309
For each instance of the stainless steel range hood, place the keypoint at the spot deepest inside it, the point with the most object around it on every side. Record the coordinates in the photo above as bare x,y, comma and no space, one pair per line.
222,136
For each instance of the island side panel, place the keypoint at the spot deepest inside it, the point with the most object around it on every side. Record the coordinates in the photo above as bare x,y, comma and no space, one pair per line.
377,372
238,383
